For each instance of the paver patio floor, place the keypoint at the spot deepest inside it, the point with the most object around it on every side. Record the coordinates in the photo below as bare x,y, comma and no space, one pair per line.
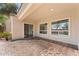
34,47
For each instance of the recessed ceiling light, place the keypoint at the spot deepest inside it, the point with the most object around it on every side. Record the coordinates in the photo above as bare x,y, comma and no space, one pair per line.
51,9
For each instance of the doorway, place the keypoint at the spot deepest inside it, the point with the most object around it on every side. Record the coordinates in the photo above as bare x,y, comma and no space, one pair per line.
28,30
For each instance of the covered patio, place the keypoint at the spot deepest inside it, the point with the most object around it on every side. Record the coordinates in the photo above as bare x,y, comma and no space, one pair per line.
55,22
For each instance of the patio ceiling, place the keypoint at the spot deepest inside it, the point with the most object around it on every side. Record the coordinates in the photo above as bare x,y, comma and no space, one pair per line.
27,9
45,11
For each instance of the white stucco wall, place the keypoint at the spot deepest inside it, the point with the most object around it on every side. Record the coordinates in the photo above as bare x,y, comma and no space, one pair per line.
73,29
78,27
17,28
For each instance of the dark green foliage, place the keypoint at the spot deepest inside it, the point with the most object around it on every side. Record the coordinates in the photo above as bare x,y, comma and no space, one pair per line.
8,8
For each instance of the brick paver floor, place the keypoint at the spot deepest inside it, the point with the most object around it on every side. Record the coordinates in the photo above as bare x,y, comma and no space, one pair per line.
34,47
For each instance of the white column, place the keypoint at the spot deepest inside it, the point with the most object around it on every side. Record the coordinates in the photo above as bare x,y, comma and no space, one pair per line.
17,28
78,27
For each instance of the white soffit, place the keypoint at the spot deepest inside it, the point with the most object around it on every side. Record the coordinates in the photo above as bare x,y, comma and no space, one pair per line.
25,10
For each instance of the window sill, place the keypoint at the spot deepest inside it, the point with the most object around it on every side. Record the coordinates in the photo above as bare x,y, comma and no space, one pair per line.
60,36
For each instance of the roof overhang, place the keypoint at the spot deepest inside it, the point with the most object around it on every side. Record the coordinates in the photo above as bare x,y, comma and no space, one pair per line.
26,10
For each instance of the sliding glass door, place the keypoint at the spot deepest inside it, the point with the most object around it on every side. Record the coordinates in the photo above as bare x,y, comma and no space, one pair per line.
28,30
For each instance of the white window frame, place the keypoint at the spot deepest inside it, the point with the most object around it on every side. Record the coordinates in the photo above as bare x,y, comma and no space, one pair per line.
43,30
69,25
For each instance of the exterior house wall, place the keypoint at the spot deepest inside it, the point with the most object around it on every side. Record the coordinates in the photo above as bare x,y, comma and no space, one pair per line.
72,38
78,27
17,28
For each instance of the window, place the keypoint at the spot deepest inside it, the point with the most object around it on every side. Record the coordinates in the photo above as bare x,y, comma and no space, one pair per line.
43,28
60,27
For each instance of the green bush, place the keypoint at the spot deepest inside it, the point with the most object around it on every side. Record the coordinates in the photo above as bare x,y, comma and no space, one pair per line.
1,35
6,35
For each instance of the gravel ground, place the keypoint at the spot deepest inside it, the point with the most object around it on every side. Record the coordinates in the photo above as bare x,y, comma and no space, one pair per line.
34,48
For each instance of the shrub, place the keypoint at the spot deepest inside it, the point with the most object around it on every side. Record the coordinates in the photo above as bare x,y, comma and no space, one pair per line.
1,35
6,35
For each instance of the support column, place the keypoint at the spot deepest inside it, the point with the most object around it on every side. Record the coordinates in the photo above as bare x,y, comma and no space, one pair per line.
78,33
17,28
